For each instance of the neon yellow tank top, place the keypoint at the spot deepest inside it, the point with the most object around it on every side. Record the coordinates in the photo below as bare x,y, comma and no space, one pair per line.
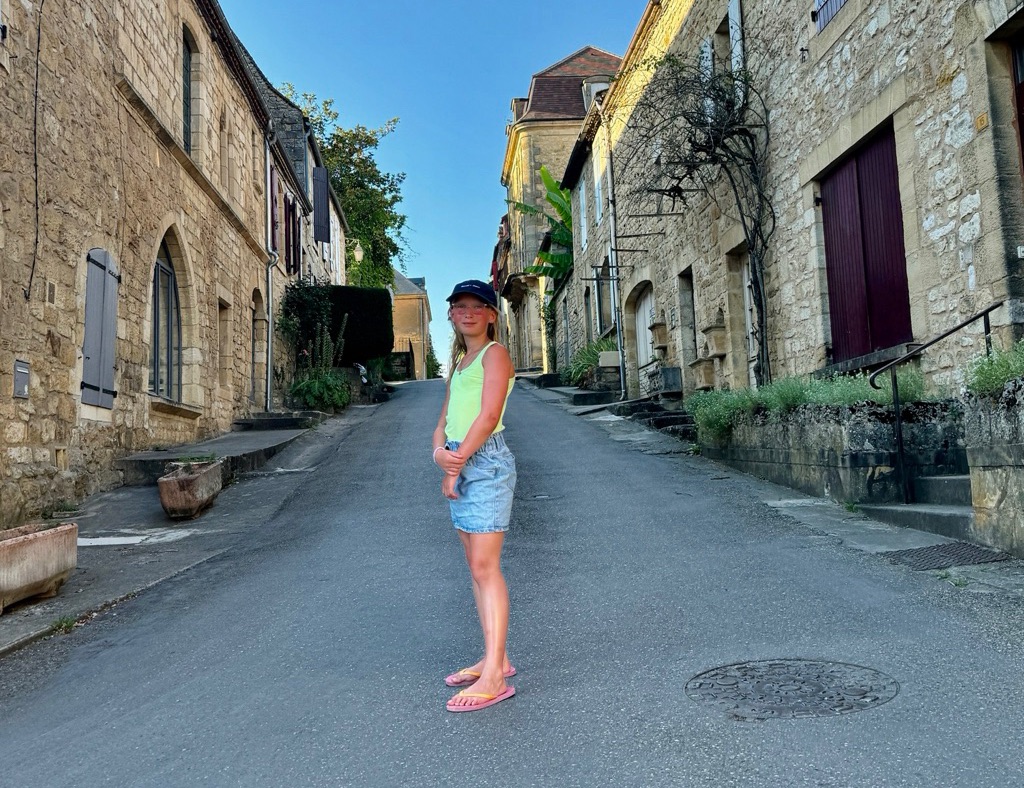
465,397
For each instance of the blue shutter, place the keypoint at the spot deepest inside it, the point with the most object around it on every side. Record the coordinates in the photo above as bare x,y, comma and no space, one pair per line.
100,330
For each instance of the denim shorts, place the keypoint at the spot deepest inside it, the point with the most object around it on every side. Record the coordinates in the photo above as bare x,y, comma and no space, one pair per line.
485,488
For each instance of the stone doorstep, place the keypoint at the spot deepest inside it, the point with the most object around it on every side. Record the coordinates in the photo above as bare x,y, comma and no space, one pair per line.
145,468
950,521
949,490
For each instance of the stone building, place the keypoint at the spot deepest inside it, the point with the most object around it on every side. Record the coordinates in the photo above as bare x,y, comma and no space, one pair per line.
542,131
411,314
894,172
137,263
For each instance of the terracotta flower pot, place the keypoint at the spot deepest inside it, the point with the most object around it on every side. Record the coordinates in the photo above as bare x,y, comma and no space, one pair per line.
189,488
36,560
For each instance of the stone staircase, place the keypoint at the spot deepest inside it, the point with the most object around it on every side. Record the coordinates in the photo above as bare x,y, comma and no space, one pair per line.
942,505
655,415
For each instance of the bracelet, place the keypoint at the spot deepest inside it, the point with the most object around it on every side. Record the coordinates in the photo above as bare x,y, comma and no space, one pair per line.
434,455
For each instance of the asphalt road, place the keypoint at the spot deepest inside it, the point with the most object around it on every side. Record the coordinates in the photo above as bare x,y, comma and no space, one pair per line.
313,652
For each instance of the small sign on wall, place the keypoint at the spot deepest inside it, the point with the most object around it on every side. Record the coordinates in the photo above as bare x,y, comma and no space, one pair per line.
21,376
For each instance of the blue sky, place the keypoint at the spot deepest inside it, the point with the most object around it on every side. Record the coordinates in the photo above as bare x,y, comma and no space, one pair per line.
448,69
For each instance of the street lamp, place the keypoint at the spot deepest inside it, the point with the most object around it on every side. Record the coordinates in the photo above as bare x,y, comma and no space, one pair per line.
357,252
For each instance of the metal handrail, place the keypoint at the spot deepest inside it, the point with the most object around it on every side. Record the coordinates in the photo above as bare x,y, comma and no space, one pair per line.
898,407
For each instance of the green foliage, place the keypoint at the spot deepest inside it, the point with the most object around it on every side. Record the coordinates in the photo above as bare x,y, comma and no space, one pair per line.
557,261
717,411
320,390
63,625
549,312
988,375
305,307
433,365
585,360
369,197
370,328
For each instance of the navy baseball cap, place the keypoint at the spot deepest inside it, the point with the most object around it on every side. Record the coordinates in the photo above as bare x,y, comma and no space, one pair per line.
475,287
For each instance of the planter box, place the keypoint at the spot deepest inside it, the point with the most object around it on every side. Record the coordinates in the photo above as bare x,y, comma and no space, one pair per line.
717,340
189,488
995,453
36,560
703,374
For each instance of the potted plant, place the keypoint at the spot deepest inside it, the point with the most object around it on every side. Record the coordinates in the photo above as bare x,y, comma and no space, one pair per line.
36,560
189,486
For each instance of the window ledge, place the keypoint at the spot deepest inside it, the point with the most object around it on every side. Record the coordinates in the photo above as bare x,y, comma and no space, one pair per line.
161,405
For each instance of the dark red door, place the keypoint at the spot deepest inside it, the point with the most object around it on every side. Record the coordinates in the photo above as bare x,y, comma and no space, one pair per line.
865,260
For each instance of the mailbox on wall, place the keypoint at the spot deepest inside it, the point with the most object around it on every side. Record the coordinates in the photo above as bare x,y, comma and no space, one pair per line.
21,376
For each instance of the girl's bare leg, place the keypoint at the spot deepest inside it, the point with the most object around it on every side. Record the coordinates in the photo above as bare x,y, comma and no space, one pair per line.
478,667
484,556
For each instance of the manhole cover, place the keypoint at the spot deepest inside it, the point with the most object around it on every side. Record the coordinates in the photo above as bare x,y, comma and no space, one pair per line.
791,688
943,556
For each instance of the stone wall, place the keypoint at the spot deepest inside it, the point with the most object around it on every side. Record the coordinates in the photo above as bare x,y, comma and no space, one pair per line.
995,450
113,174
939,73
844,453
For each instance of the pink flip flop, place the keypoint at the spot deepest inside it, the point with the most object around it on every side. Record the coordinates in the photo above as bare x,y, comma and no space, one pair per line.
487,700
461,678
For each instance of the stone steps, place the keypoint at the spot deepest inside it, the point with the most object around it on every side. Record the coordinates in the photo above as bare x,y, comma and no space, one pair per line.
947,490
296,420
945,520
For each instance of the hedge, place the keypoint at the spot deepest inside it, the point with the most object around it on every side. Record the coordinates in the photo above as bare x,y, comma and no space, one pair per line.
370,332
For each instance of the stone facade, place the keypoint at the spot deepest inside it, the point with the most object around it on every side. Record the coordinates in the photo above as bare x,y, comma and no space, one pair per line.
544,127
122,168
937,77
411,317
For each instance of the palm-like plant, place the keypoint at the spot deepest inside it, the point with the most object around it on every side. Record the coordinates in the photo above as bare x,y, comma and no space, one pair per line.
555,254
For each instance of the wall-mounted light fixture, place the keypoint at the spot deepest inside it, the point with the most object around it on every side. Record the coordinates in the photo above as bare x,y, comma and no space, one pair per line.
805,54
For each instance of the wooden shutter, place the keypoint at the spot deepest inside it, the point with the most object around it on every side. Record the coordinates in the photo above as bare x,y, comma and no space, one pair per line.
321,206
868,293
273,209
885,260
100,330
287,236
844,256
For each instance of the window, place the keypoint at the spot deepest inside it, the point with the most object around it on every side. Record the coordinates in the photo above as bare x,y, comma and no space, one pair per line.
583,213
824,11
604,296
224,170
224,357
187,57
165,363
865,261
100,330
588,316
598,207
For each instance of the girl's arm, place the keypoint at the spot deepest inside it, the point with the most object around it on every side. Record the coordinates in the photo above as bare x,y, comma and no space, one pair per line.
498,371
444,459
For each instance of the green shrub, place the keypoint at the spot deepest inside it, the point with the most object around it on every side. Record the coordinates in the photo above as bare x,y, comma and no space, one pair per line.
370,332
717,411
585,361
988,375
320,390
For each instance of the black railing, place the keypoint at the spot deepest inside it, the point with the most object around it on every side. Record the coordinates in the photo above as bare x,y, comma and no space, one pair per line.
898,407
824,10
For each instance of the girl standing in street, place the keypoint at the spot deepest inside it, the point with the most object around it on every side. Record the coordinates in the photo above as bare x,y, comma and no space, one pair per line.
479,479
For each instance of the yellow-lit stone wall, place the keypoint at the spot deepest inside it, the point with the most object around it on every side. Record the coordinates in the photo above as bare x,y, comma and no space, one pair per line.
112,174
940,73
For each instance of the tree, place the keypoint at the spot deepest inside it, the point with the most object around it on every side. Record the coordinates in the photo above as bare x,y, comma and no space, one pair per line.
701,127
369,197
556,261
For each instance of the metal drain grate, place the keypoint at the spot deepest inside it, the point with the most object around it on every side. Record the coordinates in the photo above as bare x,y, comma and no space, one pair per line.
943,556
791,689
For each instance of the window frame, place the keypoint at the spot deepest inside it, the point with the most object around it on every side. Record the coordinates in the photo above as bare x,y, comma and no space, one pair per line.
188,56
831,9
166,316
582,188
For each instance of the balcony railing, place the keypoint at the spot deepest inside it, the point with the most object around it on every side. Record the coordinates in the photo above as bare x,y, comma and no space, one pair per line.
824,11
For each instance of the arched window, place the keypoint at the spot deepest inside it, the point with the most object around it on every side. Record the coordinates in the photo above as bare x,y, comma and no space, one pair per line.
187,56
165,362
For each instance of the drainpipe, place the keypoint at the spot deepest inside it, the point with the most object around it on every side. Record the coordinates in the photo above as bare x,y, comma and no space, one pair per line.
613,261
271,263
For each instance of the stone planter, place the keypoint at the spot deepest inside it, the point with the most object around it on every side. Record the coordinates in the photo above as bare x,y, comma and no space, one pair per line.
717,340
36,560
188,488
703,374
994,433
